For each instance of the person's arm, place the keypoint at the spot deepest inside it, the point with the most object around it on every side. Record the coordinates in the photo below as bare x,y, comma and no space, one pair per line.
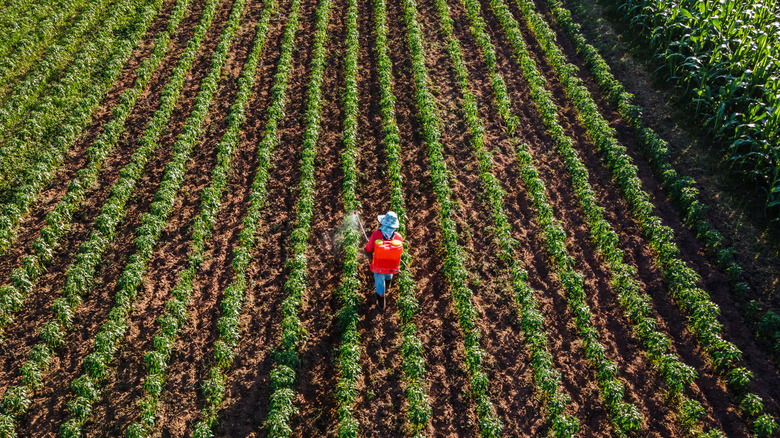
370,243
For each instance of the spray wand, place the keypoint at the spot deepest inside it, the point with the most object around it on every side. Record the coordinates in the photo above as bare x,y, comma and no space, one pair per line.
361,225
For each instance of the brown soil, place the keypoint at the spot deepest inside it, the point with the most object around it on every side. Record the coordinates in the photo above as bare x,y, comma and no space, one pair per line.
30,226
183,399
381,403
94,310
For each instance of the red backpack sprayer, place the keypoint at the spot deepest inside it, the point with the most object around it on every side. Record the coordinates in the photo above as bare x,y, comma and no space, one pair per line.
387,253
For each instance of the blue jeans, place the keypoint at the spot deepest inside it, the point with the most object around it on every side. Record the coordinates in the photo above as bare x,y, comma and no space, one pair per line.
379,280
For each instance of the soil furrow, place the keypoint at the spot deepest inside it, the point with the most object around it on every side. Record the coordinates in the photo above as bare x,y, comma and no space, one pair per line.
182,397
318,374
37,309
379,405
719,404
453,414
507,362
95,309
117,412
30,226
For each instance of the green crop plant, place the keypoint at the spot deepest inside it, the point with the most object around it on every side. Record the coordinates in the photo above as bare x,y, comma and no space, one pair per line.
348,359
108,341
79,275
29,34
283,375
58,221
418,411
625,416
489,423
25,95
546,378
635,303
682,280
232,301
62,115
723,57
681,188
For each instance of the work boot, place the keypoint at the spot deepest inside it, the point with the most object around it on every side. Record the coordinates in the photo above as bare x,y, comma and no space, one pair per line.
380,302
387,285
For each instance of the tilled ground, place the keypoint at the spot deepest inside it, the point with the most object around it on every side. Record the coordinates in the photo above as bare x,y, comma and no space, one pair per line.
381,403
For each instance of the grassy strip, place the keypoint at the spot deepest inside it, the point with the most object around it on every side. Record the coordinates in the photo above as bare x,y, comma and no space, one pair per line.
79,276
58,56
283,375
58,221
108,342
682,189
63,114
27,35
348,361
625,416
418,410
175,315
489,423
682,280
231,304
546,378
636,304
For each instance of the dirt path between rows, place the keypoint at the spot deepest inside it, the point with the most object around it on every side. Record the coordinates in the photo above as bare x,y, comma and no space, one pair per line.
380,406
183,397
30,226
118,412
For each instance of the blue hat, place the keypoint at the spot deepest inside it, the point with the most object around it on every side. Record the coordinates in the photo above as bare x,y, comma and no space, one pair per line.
389,220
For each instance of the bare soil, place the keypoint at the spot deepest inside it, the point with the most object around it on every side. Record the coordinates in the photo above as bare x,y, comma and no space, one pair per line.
381,404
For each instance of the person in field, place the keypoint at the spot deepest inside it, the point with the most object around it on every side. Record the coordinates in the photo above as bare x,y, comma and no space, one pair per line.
387,246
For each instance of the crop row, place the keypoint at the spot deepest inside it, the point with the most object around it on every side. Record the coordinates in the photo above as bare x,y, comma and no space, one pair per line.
233,299
636,304
283,375
625,416
63,114
58,221
489,424
80,275
682,280
348,360
418,410
80,272
26,93
681,188
546,378
88,386
175,315
723,56
28,34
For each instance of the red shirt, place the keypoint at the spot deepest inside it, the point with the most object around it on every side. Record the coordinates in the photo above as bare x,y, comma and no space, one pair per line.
377,235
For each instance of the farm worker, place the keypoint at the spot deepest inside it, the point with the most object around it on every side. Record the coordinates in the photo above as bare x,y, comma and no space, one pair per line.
387,259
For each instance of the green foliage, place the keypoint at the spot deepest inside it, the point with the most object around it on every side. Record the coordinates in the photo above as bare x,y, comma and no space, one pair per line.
418,411
348,359
62,115
682,281
723,58
681,188
454,270
546,378
58,221
293,333
176,315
